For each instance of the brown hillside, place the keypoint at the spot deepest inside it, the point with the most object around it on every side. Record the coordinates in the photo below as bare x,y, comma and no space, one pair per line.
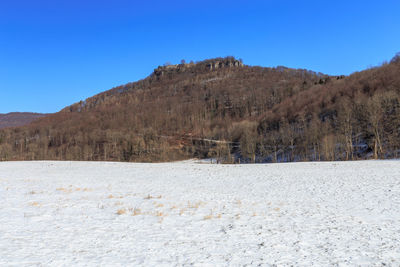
16,119
221,108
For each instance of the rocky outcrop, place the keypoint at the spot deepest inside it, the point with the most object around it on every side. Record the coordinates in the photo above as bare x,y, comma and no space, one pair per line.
207,65
225,63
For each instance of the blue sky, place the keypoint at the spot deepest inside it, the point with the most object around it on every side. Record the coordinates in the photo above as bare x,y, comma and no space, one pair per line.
55,53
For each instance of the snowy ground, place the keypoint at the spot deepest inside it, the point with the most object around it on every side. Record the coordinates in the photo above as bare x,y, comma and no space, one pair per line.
111,214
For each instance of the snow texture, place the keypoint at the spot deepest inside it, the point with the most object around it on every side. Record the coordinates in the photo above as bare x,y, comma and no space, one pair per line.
118,214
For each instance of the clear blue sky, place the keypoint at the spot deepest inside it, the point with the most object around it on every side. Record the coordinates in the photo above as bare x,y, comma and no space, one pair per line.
57,52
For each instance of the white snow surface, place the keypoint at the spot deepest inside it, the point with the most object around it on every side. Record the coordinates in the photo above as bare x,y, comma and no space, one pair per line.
185,213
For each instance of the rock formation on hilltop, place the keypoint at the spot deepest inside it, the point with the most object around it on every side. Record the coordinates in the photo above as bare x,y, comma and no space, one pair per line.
207,65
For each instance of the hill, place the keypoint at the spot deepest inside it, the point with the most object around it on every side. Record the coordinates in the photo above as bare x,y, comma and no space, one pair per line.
16,119
224,109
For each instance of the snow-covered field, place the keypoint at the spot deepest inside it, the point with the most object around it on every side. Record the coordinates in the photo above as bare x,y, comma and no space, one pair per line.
111,214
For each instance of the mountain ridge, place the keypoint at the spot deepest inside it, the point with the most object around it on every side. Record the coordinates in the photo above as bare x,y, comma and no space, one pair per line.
15,119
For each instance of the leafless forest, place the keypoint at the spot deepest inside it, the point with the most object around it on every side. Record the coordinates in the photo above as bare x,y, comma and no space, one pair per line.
223,109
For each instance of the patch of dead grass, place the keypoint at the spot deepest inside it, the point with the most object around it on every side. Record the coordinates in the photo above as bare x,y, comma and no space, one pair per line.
211,216
112,196
65,190
34,203
118,203
121,211
136,211
195,205
160,214
182,211
151,197
83,189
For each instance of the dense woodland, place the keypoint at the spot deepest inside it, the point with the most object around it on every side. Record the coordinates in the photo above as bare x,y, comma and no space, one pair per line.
225,110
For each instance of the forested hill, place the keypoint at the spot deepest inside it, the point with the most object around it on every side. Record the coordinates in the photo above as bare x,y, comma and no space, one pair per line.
15,119
224,109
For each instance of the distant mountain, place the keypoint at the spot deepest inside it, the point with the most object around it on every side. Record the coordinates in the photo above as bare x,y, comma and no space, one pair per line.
221,108
15,119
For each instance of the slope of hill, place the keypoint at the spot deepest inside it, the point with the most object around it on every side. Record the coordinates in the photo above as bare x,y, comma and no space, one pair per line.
16,119
223,109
